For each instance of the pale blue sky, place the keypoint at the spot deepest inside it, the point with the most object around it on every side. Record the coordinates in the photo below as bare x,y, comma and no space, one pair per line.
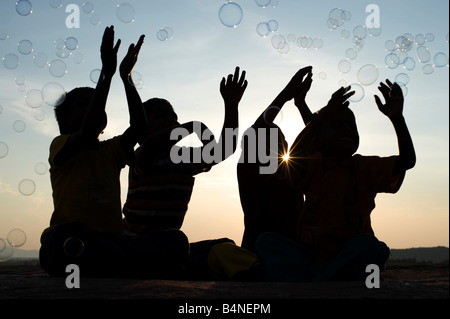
187,71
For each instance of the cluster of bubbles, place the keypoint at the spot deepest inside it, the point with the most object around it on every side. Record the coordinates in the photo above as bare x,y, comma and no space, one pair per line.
165,34
15,238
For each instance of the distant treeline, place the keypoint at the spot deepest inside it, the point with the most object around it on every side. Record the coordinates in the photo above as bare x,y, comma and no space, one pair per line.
434,255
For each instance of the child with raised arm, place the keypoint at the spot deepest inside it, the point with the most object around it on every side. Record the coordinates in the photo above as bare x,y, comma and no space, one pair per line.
160,185
86,224
335,236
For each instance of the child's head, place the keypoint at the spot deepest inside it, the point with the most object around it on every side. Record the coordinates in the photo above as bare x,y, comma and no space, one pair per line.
160,114
338,136
70,113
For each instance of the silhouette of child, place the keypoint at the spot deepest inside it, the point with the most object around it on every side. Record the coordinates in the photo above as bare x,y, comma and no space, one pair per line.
335,235
160,187
86,224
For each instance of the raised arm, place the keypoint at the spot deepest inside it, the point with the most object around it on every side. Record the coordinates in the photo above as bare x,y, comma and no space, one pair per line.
393,109
138,122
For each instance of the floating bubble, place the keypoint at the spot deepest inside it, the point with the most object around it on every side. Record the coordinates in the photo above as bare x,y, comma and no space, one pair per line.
344,66
41,168
374,32
40,115
53,94
322,75
125,12
262,3
73,247
62,53
409,64
263,29
162,35
402,78
57,68
11,61
19,126
60,43
273,25
423,54
16,237
284,48
360,32
7,252
278,41
304,42
368,74
292,38
337,17
429,37
274,3
420,39
427,69
332,24
405,42
390,45
71,43
24,7
56,4
78,58
27,187
440,60
351,54
40,59
4,35
34,98
231,14
273,115
2,245
345,34
392,61
359,93
88,7
135,79
342,83
20,80
169,33
4,149
317,43
25,47
94,19
95,75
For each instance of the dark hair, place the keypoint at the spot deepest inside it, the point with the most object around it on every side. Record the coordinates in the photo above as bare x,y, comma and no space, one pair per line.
157,108
77,98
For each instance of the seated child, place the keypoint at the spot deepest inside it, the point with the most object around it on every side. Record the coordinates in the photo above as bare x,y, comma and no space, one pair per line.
86,224
160,187
335,235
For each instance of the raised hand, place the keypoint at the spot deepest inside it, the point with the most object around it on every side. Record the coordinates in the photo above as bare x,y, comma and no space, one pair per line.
304,88
232,89
393,95
109,52
297,84
129,61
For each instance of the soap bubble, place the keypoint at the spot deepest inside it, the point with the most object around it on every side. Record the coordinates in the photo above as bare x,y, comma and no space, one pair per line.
423,54
94,19
135,79
345,34
429,37
24,7
278,41
73,247
322,75
337,17
390,45
88,7
274,3
95,75
344,66
427,69
359,93
162,35
41,168
71,43
57,68
27,187
420,39
60,43
304,42
273,25
40,115
368,74
317,43
7,252
56,4
40,59
78,58
34,98
351,54
263,29
402,78
405,42
62,53
292,37
125,12
4,149
11,61
262,3
25,47
16,237
53,94
231,14
409,64
342,83
20,80
392,60
440,60
270,113
19,126
374,32
360,32
4,35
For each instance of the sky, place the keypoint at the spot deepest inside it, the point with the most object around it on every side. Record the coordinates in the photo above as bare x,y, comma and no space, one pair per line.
187,68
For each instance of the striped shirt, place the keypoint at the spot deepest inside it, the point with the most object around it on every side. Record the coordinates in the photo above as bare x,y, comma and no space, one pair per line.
158,199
